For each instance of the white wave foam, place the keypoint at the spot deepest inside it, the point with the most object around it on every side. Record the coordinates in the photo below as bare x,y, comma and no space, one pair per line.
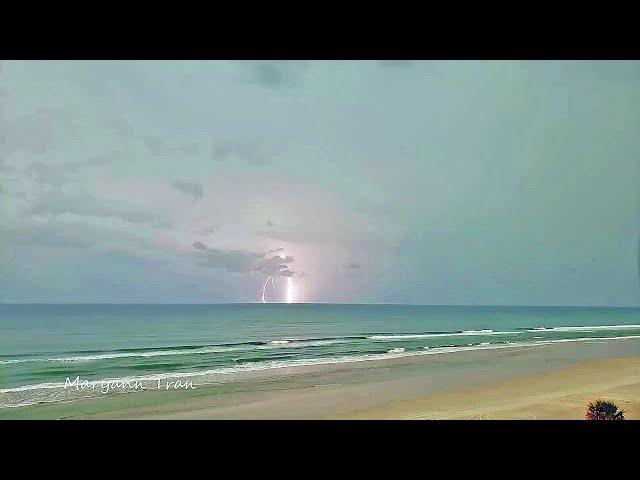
396,350
188,351
585,328
109,356
414,336
18,360
583,339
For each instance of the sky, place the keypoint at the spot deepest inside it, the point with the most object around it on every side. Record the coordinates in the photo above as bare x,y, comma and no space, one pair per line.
445,182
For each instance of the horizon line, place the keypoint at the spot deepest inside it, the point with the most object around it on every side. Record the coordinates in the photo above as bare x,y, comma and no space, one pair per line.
324,303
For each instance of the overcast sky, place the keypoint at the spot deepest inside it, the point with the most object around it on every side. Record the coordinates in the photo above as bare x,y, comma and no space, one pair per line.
386,182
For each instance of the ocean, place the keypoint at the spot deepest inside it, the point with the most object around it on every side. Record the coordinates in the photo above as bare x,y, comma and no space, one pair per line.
41,346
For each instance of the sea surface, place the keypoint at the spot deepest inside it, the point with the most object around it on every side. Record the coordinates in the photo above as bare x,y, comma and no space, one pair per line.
43,345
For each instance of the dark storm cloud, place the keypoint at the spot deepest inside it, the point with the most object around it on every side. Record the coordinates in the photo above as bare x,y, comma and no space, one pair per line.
193,189
275,266
199,246
276,260
234,261
242,261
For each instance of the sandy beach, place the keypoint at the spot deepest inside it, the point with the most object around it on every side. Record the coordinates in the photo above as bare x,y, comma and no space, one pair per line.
560,395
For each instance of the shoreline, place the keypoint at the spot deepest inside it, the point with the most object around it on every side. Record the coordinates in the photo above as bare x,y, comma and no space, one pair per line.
404,387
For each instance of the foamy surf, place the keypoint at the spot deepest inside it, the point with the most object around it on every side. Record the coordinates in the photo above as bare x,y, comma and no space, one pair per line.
396,350
584,328
304,343
465,333
55,392
298,343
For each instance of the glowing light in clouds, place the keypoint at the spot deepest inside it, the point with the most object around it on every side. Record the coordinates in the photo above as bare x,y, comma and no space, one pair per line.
289,290
289,281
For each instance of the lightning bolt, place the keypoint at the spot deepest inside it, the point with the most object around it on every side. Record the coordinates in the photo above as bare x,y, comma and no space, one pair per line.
274,280
264,286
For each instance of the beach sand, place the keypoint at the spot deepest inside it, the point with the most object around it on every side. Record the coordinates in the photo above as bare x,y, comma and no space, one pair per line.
561,395
551,382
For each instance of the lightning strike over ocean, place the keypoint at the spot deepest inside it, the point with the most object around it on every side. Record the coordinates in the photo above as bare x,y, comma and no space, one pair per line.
274,276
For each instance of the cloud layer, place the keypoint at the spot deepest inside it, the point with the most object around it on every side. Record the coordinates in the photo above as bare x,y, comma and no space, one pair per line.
391,181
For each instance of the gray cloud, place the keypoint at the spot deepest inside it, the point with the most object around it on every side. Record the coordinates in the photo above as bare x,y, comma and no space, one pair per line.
207,230
297,236
158,146
243,261
276,74
193,189
32,133
120,125
235,261
57,202
58,173
199,246
276,266
460,175
395,63
253,152
46,236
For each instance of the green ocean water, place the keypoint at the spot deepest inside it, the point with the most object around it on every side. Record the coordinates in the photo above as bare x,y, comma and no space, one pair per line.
43,345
